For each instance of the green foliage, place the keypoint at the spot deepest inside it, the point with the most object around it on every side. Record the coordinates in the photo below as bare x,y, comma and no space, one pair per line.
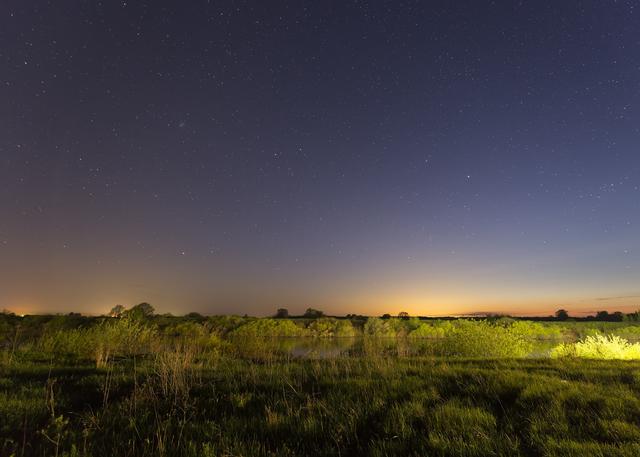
330,327
184,386
377,327
599,347
6,329
628,332
169,406
139,312
282,313
457,429
66,322
102,342
117,311
69,342
537,330
312,313
268,327
483,339
225,324
438,330
195,336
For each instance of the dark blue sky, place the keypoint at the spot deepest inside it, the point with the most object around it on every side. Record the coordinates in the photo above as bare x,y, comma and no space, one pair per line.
433,157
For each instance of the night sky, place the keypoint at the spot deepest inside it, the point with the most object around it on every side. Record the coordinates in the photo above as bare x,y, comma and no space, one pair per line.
357,157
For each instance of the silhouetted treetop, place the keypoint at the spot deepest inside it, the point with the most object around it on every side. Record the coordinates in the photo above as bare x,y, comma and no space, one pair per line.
313,313
140,312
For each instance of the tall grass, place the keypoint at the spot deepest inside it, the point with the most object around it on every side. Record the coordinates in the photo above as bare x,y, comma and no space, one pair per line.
207,387
103,342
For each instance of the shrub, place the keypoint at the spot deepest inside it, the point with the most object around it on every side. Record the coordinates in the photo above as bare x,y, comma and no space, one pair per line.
268,328
379,327
75,342
120,337
537,330
599,347
123,337
225,324
329,327
431,331
195,336
483,339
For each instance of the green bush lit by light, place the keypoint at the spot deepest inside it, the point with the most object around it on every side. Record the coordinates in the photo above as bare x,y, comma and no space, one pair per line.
376,327
329,327
431,331
482,339
268,328
103,342
599,347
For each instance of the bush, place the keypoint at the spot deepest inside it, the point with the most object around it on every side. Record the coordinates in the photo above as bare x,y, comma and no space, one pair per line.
225,324
431,331
120,337
195,336
77,342
379,327
599,347
483,339
268,328
329,327
537,330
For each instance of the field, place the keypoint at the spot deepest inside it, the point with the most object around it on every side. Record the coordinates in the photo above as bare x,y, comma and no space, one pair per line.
228,386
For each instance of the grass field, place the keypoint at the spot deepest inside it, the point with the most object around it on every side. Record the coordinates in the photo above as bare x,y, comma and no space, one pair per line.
127,387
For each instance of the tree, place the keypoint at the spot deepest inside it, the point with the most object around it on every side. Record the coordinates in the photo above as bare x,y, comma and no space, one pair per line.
602,315
140,312
618,316
117,311
562,315
386,316
195,316
633,317
311,313
403,315
282,313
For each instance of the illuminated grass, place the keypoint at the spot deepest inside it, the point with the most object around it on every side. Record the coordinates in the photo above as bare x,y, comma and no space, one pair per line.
606,347
180,387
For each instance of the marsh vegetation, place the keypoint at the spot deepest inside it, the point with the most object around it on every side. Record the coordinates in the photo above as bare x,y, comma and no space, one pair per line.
139,384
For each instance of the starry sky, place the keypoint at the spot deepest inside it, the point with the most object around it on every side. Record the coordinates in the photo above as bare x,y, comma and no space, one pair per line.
435,157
